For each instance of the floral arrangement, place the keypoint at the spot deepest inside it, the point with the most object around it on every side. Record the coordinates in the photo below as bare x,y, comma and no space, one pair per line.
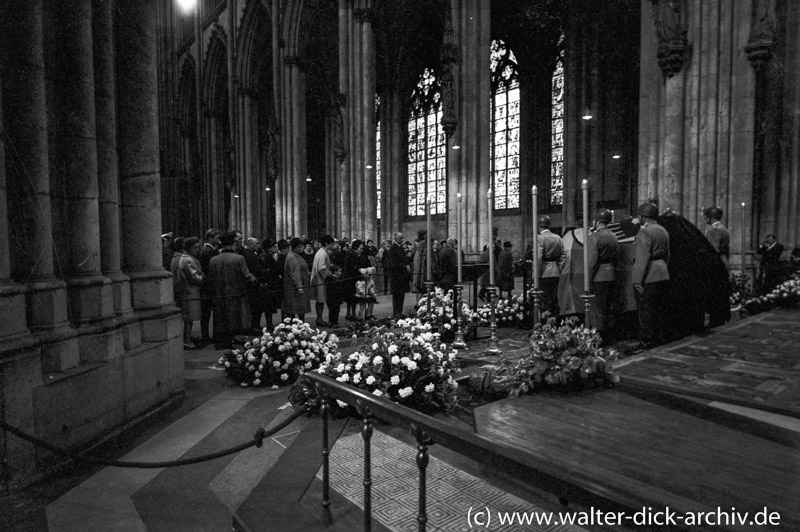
442,317
277,358
511,312
359,329
564,357
786,294
741,289
407,364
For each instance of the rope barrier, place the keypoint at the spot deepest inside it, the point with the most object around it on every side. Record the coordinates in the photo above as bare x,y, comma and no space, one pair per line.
258,440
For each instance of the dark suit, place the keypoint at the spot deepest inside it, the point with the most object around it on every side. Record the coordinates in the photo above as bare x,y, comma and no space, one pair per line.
651,251
398,277
255,294
206,302
770,264
448,266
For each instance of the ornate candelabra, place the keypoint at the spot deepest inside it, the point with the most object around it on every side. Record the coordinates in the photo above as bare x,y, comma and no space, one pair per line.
459,341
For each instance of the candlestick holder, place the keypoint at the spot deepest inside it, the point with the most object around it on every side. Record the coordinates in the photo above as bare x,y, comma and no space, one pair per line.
428,294
588,301
459,341
536,296
494,349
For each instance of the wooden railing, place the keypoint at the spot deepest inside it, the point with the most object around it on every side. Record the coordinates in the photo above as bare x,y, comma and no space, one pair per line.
427,430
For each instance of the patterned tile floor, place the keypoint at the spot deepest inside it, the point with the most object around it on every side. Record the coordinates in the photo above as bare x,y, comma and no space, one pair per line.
452,493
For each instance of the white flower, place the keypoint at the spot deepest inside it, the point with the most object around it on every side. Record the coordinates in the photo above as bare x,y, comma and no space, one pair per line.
411,365
276,364
289,360
370,380
429,388
377,360
284,376
392,349
405,392
275,387
395,380
281,348
257,374
448,326
378,393
356,378
251,358
375,346
248,345
359,365
227,364
341,404
340,367
303,343
396,359
308,365
256,382
344,377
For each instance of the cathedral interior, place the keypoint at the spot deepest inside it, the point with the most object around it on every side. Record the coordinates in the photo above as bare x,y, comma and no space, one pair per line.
124,120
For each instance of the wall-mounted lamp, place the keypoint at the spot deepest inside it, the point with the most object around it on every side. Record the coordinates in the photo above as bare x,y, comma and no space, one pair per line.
308,179
456,147
587,114
187,5
235,194
369,167
267,189
616,156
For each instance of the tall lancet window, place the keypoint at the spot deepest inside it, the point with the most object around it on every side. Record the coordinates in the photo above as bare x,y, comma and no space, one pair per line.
557,131
505,126
426,148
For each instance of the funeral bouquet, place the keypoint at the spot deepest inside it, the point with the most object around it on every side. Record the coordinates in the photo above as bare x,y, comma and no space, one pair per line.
442,316
510,312
407,363
741,289
279,357
786,294
564,357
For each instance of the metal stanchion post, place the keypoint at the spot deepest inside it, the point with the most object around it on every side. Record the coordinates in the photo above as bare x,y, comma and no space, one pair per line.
493,347
588,301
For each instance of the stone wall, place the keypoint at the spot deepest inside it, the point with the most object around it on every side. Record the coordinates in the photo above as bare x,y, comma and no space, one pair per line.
89,336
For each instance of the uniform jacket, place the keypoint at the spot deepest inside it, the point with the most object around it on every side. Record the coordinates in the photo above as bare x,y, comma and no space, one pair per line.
720,238
602,249
551,254
651,254
295,277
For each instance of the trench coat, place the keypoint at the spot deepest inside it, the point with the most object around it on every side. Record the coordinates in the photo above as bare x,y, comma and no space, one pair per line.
295,278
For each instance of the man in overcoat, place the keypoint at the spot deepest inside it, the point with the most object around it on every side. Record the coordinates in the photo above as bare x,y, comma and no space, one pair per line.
399,276
229,279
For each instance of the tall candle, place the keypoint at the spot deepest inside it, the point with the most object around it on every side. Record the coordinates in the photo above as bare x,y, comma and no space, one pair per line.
585,188
491,241
744,234
428,242
535,252
458,238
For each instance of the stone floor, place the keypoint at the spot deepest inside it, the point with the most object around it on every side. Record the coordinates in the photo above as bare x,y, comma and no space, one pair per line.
276,487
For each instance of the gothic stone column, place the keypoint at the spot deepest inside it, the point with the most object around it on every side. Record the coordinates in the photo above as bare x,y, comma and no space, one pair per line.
138,150
25,123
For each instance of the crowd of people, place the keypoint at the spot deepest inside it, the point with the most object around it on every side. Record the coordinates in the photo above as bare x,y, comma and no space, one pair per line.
674,278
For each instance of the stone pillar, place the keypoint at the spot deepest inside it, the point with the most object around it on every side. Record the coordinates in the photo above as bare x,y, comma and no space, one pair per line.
107,161
73,158
138,150
370,191
15,334
25,123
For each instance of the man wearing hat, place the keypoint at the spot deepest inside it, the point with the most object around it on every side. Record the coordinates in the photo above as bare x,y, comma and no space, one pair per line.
229,277
505,269
551,260
650,275
718,235
602,255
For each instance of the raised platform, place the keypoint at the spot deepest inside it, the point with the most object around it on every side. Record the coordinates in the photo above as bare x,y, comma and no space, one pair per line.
627,454
753,363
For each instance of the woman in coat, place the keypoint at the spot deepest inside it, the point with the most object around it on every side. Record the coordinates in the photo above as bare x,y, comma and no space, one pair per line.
356,260
189,276
296,297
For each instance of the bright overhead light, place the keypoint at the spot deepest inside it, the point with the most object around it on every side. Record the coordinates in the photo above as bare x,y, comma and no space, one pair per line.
587,114
308,179
616,156
236,195
187,5
267,189
369,167
456,147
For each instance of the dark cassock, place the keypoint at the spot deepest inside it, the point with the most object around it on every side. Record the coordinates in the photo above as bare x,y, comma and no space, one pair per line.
699,279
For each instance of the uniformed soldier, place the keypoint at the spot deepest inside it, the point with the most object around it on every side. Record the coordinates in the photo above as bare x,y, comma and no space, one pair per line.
718,235
650,274
551,260
602,250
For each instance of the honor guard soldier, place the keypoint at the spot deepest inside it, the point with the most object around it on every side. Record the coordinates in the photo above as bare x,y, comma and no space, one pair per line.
718,235
551,259
602,250
650,274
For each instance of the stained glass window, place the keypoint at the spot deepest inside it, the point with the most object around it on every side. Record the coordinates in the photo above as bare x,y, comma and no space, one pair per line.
378,165
557,134
427,165
505,126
